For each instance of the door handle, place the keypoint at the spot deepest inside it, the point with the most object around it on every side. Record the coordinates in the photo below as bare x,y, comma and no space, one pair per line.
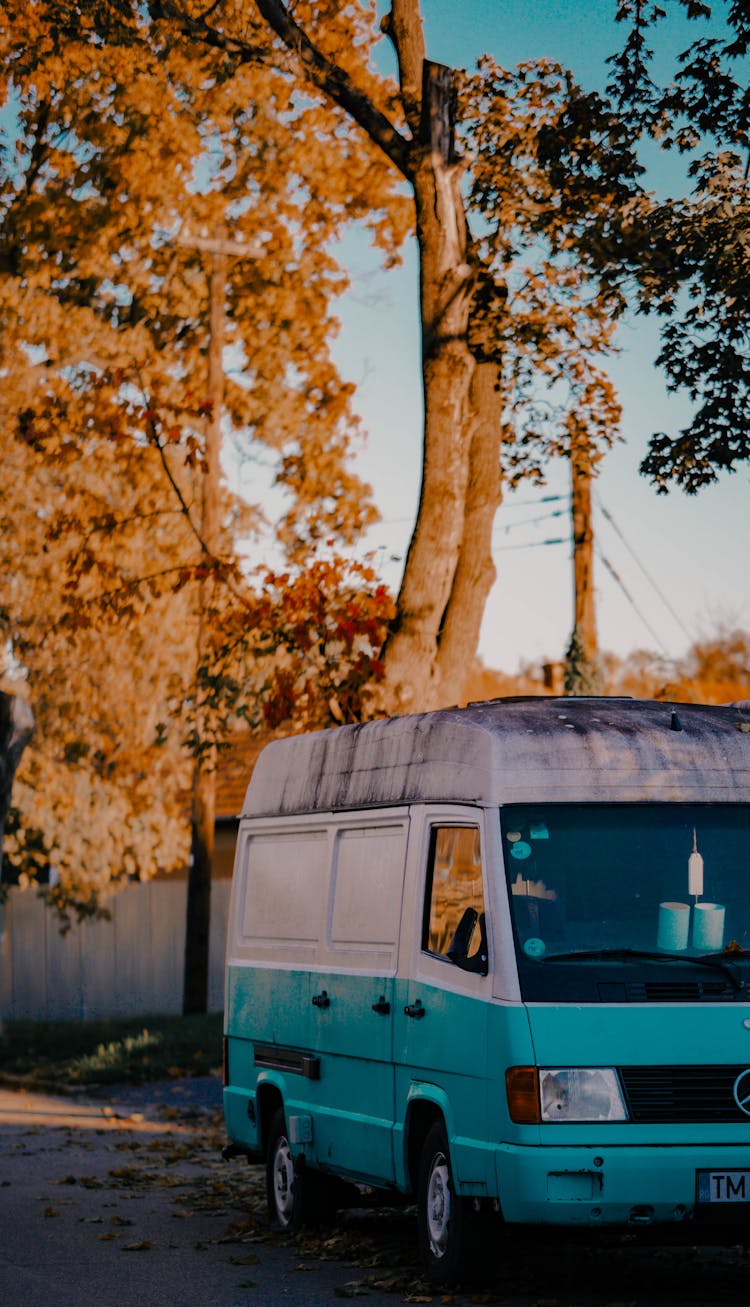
382,1006
415,1009
321,1000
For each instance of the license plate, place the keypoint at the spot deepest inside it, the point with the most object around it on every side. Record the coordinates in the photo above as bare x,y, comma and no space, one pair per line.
723,1186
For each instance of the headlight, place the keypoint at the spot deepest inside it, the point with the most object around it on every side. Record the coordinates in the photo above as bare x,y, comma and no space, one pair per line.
577,1094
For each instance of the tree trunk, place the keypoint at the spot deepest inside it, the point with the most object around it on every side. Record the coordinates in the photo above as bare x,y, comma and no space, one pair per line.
197,929
448,566
475,572
195,990
412,676
16,729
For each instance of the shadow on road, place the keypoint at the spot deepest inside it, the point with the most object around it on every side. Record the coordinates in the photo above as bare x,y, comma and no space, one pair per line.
88,1181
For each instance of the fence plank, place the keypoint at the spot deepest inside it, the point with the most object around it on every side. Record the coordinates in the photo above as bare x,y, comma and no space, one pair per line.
220,891
26,944
166,911
98,962
129,966
132,948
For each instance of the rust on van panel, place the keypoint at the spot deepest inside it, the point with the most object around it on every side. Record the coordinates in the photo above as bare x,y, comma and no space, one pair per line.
513,751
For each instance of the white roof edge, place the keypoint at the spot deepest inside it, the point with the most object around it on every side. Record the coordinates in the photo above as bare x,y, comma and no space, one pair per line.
512,751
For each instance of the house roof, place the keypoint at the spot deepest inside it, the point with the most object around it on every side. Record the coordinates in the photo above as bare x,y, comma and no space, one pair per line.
234,767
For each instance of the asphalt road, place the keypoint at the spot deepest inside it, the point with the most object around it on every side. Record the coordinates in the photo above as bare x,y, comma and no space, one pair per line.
125,1200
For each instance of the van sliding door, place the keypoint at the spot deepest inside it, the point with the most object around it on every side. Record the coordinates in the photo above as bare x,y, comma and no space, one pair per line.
352,1007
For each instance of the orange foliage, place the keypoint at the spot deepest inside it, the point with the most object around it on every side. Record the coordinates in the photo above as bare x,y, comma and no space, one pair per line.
127,143
715,669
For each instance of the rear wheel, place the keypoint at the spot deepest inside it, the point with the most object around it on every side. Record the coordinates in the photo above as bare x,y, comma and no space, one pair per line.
296,1194
284,1181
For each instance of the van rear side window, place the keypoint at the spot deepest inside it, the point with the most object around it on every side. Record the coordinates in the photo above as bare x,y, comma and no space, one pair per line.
285,886
366,897
454,899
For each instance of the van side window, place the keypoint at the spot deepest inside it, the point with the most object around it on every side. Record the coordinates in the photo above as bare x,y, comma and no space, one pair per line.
454,922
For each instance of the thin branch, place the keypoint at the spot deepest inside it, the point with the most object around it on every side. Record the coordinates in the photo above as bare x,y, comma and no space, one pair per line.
198,28
338,85
152,434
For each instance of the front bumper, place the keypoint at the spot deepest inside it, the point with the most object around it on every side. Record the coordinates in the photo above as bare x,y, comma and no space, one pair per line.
633,1186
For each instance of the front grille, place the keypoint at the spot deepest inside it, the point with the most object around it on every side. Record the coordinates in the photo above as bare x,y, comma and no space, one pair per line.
657,1094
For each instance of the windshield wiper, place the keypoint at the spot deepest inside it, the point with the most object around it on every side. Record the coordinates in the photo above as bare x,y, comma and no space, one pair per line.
715,961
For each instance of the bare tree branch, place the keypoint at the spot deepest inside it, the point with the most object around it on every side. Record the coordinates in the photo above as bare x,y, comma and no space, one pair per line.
244,52
404,27
337,84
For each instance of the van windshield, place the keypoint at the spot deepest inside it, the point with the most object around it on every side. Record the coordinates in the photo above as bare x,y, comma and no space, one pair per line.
629,885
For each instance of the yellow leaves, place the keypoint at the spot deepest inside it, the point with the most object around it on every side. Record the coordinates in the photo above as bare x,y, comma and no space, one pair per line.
128,138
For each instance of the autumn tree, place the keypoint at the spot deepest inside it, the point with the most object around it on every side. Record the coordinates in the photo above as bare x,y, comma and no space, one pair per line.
690,258
124,154
101,792
715,669
498,332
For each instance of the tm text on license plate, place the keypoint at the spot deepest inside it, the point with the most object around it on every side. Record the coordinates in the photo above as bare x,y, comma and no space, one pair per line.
724,1186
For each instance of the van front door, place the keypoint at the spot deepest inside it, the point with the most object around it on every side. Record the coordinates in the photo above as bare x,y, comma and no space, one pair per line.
442,1010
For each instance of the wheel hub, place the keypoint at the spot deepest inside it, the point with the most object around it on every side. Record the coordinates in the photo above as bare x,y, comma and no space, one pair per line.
283,1181
438,1205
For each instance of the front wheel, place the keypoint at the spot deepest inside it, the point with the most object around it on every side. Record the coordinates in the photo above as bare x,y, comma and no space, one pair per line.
284,1182
439,1211
450,1234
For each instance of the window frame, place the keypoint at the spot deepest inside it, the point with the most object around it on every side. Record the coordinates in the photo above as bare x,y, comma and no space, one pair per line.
435,824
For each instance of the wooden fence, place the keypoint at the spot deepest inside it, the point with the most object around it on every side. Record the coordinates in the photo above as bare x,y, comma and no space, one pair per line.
131,965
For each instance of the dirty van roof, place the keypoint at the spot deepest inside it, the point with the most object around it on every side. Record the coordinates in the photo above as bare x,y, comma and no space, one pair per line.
513,751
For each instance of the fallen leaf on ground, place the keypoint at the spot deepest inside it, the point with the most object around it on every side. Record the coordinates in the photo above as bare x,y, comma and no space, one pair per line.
139,1246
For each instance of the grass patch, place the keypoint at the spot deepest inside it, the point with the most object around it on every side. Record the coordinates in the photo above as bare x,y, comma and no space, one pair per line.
121,1050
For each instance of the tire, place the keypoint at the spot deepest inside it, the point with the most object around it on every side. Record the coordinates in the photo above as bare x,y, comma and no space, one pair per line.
285,1182
439,1223
452,1237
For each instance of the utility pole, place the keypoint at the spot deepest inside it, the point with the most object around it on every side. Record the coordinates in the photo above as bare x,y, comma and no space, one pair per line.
584,610
582,657
203,796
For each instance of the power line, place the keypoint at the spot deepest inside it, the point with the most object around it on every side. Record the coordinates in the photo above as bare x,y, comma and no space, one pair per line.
535,544
648,577
530,521
630,598
532,503
522,503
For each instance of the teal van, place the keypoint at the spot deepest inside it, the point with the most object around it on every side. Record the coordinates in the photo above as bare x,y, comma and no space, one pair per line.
496,959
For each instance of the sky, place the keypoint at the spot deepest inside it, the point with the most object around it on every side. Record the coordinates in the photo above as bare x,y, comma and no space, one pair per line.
681,562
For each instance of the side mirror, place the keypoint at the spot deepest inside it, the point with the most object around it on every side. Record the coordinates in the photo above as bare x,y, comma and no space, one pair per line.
458,949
